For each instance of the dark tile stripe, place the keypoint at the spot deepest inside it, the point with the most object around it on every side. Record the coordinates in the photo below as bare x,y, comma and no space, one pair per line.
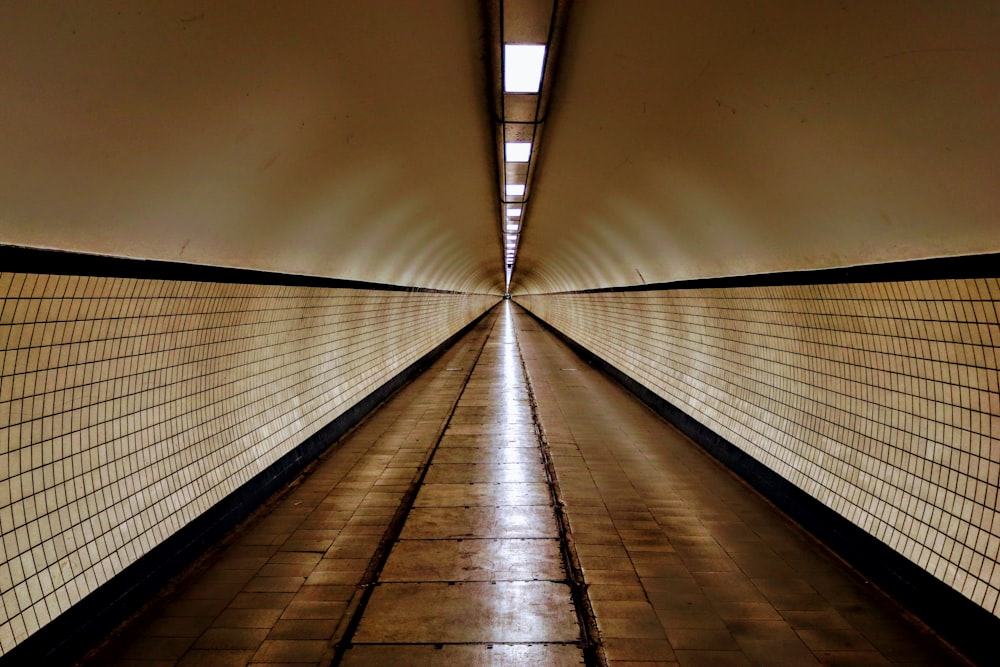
16,259
939,268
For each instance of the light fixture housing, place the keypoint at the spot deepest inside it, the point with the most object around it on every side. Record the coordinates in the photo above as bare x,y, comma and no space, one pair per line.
525,38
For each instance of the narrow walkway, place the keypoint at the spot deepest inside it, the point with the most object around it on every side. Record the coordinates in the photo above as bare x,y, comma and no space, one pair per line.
477,576
431,536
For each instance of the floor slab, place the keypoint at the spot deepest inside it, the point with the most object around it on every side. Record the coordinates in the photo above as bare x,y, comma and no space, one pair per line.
474,560
467,473
480,612
470,522
477,494
476,655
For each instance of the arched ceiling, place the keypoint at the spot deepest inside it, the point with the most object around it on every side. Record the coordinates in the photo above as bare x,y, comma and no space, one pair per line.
352,139
717,137
340,139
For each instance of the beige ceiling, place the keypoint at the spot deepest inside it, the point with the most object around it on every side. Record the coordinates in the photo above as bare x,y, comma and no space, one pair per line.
717,137
351,139
332,138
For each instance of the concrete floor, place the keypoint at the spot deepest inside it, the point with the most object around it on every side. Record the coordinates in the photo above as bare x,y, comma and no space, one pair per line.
432,535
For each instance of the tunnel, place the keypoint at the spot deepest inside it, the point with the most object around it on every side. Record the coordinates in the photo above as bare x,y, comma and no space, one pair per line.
709,288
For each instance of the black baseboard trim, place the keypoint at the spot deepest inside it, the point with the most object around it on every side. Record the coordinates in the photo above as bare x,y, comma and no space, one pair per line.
69,636
965,625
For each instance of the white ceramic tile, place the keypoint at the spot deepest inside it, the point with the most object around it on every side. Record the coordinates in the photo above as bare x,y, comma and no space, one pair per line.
877,398
132,406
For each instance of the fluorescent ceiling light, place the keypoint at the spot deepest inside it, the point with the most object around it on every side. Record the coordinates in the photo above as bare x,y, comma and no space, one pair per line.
522,67
514,212
517,151
514,189
511,228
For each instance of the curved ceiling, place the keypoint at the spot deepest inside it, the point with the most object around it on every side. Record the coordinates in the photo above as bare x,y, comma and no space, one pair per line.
716,138
685,140
340,139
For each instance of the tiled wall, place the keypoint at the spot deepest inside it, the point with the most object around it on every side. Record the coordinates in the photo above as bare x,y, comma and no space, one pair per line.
130,406
880,400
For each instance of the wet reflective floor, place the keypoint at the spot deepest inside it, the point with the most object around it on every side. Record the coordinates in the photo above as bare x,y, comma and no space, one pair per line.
431,535
478,566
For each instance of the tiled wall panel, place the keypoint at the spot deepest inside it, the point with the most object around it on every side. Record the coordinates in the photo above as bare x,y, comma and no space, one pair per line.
880,400
130,406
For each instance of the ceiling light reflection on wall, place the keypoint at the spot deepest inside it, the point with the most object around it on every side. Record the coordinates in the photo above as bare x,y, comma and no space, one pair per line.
517,151
522,67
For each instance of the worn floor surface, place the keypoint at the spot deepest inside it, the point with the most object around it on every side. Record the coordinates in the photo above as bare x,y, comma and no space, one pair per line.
682,563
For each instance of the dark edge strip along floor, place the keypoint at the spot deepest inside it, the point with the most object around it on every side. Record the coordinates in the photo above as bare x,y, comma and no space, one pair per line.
341,641
590,636
81,628
967,627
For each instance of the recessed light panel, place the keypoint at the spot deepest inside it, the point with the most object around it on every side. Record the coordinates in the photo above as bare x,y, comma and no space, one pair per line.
513,211
514,189
522,67
517,151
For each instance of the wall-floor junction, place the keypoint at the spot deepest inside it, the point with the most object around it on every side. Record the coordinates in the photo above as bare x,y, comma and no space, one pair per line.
880,400
131,406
